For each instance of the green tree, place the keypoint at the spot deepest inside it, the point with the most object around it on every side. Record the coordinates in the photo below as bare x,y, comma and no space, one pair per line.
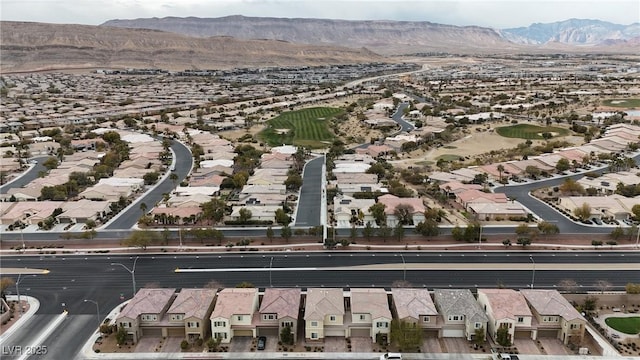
51,163
582,212
502,336
405,335
213,210
368,230
548,228
286,336
384,232
500,169
285,232
150,178
141,239
522,230
479,336
121,335
270,233
398,231
293,181
617,233
245,284
282,217
632,288
404,214
563,165
570,186
378,213
244,215
635,209
429,227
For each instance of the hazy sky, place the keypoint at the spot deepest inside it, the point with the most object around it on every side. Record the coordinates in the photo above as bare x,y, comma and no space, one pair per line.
497,14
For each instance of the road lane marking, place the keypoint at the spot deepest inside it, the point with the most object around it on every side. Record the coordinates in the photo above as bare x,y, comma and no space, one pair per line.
43,336
23,271
422,267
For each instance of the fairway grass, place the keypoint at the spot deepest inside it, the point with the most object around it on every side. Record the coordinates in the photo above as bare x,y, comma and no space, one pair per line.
622,103
449,157
306,127
530,132
627,325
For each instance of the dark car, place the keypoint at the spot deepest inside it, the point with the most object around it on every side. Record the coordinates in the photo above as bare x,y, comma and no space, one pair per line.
262,342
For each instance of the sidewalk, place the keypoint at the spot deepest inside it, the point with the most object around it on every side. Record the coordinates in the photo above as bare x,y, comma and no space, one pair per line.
34,305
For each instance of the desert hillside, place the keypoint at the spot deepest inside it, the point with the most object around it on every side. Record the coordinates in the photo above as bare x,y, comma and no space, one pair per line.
27,46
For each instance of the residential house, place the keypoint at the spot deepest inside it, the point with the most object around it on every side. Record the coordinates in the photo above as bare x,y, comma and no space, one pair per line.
233,313
189,313
258,212
324,313
83,210
355,178
415,306
554,316
466,198
370,314
29,212
349,211
280,308
507,308
392,202
497,211
462,316
143,314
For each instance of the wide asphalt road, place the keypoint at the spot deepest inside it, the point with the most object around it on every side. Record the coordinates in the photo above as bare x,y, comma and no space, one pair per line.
75,278
521,192
129,217
308,213
27,177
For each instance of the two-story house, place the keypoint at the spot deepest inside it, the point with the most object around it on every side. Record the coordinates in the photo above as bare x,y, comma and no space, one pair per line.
554,316
370,314
415,306
188,316
233,313
462,316
508,309
279,309
324,313
143,314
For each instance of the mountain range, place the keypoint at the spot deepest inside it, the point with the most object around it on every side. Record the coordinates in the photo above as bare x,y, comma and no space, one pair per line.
398,37
239,41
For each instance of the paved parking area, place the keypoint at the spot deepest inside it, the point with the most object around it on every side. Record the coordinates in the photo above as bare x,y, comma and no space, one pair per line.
148,344
554,347
241,344
431,345
335,344
456,345
361,345
527,346
272,344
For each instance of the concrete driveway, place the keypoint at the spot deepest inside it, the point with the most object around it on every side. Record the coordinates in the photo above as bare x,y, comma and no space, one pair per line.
241,344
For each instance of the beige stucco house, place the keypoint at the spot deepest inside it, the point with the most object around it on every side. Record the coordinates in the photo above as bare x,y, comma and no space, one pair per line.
324,313
415,306
507,308
370,314
461,314
189,313
279,308
143,314
554,316
233,314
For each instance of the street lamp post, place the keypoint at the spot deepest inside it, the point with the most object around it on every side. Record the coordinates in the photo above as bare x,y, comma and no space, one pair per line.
404,268
132,271
270,264
97,310
18,292
533,274
638,237
480,237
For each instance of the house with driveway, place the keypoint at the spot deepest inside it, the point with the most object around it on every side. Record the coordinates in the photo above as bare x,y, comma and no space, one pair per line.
370,314
233,314
461,314
324,313
189,313
415,306
280,308
554,316
142,316
507,308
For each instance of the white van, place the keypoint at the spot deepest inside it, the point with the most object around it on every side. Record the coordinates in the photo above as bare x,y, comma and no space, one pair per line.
391,356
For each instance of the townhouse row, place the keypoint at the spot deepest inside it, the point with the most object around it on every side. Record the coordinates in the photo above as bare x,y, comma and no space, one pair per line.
319,313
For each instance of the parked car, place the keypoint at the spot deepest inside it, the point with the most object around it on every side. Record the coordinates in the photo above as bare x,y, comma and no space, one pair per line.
391,356
262,342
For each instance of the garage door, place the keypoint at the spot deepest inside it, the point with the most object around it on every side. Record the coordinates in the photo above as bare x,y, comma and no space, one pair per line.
334,332
243,333
430,333
268,331
548,333
523,334
175,332
452,333
151,332
360,332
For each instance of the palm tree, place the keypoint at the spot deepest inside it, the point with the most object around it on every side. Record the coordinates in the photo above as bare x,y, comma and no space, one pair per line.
143,207
500,170
174,178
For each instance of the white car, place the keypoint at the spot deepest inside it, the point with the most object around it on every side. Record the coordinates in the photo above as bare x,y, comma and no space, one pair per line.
391,356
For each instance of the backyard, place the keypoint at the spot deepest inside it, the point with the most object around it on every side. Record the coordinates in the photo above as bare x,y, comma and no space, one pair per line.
627,325
531,132
306,127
